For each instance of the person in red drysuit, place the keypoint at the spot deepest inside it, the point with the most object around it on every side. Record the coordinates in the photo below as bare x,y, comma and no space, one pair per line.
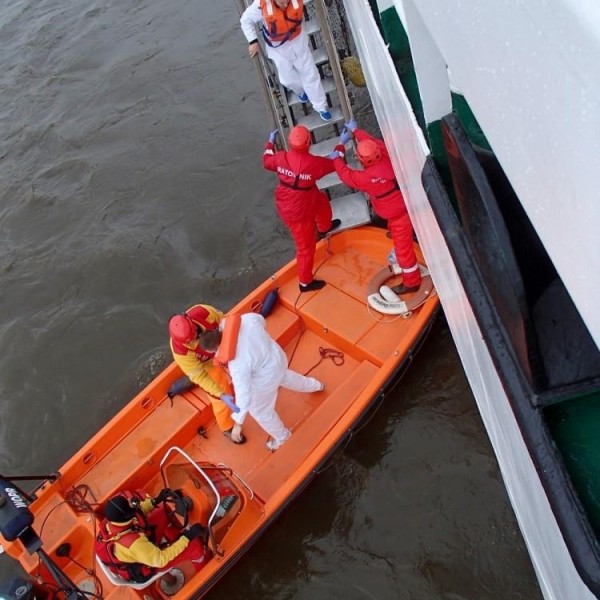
130,536
299,202
378,181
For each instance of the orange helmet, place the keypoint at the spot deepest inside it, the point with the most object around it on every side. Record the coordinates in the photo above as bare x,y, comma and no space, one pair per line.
299,138
368,152
182,329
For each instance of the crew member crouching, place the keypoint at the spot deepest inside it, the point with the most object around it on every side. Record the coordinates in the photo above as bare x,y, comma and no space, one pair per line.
136,538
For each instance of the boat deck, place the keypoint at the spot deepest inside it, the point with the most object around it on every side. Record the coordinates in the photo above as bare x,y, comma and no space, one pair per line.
331,334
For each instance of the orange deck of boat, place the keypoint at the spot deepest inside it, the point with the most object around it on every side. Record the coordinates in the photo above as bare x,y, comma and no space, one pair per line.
126,453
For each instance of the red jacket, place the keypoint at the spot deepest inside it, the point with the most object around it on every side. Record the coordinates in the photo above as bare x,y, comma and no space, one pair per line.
377,181
297,195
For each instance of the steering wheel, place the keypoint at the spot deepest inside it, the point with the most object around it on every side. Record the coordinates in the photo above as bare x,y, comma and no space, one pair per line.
177,508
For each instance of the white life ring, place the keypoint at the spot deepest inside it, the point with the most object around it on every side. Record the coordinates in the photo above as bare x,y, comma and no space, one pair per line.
384,300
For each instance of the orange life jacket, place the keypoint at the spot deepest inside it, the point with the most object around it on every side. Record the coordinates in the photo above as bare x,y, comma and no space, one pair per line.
280,25
228,345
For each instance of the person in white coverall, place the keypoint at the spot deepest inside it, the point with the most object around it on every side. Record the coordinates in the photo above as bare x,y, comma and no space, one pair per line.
258,370
287,46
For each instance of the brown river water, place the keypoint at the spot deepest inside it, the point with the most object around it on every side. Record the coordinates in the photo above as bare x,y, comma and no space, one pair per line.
131,187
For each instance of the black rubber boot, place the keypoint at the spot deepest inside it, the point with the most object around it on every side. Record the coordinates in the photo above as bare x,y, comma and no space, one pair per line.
313,286
403,289
335,223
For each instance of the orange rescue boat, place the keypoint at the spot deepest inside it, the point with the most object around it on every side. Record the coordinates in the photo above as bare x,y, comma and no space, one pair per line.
159,442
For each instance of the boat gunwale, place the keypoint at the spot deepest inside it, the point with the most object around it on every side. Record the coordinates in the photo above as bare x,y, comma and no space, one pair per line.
384,380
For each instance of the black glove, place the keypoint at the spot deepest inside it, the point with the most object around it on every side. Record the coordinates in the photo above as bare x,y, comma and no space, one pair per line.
196,530
162,496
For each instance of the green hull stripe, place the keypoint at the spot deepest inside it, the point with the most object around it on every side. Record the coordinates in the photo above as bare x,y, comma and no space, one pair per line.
575,425
395,35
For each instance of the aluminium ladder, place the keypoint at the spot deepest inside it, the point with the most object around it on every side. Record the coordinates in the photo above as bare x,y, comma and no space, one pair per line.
351,207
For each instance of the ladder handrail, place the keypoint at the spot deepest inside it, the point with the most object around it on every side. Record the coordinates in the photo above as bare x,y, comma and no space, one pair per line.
334,59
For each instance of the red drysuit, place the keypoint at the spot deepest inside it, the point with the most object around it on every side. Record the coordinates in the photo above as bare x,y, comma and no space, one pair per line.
299,201
379,182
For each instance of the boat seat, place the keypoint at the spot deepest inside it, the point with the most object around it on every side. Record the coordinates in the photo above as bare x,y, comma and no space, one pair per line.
115,469
116,580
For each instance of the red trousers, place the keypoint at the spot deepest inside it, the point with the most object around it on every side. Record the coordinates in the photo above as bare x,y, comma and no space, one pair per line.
402,236
305,237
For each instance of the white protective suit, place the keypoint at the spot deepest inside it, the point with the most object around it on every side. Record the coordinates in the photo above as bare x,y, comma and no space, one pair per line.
295,65
259,369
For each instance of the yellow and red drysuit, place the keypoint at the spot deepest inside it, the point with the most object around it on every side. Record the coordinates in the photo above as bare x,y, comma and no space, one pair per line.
200,367
132,551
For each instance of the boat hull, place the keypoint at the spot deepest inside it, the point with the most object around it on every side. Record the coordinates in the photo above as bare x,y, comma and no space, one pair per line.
157,441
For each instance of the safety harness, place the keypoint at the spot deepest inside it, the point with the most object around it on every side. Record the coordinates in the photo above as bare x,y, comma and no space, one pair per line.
294,186
396,187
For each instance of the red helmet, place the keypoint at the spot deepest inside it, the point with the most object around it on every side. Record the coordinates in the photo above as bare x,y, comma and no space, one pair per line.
299,138
369,153
182,329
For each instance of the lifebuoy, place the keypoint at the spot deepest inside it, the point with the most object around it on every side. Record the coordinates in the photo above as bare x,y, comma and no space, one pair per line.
384,300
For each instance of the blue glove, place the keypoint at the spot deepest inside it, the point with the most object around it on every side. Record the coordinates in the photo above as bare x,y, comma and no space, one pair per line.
351,125
227,399
345,137
333,155
273,135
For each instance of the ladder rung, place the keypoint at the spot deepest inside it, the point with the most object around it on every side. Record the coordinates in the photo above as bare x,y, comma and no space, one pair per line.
311,27
313,121
324,147
329,181
333,179
328,86
320,56
352,210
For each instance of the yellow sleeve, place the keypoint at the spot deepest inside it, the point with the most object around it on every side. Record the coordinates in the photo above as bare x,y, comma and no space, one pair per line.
145,552
147,505
196,371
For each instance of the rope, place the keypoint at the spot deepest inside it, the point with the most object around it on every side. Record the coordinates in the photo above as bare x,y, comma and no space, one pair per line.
76,497
335,356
